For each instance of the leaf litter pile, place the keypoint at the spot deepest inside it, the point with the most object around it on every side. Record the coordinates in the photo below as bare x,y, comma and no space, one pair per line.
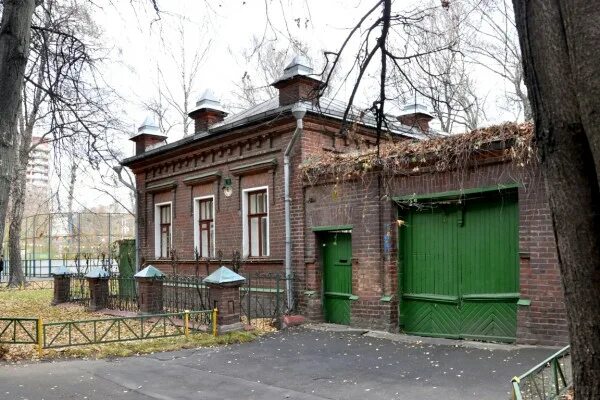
514,141
36,303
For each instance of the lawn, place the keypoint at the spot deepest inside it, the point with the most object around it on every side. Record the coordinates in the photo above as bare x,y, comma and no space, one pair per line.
36,303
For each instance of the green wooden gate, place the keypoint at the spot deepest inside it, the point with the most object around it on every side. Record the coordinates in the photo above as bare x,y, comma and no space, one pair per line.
126,262
337,276
459,270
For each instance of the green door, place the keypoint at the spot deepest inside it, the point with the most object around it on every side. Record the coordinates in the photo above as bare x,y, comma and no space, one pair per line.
337,277
459,269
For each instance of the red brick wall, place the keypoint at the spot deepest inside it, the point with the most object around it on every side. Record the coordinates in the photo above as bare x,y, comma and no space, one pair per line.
245,146
355,203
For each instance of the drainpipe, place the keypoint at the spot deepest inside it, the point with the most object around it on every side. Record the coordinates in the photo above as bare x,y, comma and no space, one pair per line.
298,111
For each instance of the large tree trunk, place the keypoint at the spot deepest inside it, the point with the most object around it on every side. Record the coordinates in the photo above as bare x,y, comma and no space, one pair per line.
559,40
15,30
16,277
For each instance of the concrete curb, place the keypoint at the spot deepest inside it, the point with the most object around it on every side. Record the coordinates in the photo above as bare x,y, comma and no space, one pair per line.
403,338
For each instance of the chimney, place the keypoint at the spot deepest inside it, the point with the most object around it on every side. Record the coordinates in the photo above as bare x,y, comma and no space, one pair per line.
416,115
148,136
208,111
296,84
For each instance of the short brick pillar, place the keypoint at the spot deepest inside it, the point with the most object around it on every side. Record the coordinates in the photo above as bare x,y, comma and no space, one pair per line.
224,292
150,290
98,283
62,285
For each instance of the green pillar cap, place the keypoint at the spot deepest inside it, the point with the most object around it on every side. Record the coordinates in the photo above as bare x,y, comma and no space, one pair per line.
97,273
223,275
149,272
62,270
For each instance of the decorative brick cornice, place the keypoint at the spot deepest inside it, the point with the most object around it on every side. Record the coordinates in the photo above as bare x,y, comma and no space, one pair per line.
203,178
161,187
253,168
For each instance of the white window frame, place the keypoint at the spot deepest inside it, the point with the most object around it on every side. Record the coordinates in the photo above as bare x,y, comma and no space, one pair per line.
197,228
157,226
245,244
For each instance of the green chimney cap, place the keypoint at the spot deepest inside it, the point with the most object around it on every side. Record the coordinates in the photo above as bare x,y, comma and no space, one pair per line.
149,272
97,273
223,275
62,270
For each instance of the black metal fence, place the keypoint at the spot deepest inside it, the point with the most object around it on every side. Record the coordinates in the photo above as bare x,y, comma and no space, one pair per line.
182,293
263,297
122,292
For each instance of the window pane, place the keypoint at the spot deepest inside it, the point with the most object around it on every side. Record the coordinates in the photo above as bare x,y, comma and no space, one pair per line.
261,205
209,209
252,201
164,243
264,235
165,214
204,243
254,237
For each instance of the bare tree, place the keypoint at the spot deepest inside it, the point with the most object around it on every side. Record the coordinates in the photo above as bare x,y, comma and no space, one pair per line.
496,48
64,100
443,78
174,102
265,59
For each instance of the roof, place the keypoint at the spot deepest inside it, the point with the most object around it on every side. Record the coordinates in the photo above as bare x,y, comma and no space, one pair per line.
270,109
438,154
97,273
300,65
149,272
223,275
208,99
149,127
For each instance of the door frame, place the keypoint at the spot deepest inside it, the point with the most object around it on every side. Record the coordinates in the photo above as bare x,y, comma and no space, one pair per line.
320,232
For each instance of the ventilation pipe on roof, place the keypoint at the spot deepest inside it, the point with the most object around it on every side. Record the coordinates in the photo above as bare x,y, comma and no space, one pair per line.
298,111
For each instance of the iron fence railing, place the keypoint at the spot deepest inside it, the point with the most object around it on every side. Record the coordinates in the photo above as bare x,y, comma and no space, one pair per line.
122,293
181,292
79,291
263,297
110,330
546,381
29,285
18,330
107,330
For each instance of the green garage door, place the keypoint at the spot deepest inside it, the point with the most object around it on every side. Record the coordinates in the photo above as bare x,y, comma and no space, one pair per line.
459,271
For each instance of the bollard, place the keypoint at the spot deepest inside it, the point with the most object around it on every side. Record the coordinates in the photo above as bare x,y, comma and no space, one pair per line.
40,337
214,321
186,322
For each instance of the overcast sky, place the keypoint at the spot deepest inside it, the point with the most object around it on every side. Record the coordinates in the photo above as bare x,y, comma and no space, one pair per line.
140,42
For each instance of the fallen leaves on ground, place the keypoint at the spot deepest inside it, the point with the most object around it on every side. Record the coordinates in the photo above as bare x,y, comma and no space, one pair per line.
37,303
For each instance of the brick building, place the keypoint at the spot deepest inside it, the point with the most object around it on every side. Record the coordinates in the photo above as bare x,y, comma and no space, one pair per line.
223,188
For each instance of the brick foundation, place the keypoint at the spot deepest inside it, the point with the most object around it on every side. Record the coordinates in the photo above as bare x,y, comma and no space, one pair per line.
226,298
62,289
150,295
98,293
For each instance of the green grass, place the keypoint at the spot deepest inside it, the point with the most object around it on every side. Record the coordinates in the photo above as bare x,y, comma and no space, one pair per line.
36,303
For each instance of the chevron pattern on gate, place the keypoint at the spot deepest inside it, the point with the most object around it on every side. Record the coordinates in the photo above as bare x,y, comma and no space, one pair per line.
431,319
489,321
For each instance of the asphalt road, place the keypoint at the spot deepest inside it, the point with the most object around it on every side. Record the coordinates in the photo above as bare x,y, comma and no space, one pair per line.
294,364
